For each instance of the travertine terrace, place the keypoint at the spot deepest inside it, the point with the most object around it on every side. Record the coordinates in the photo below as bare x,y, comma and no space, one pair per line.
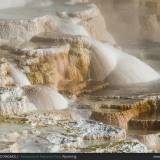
71,80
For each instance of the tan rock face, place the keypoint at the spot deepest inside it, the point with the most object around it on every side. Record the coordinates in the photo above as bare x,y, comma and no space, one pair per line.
44,66
121,111
138,108
79,59
72,65
50,66
64,51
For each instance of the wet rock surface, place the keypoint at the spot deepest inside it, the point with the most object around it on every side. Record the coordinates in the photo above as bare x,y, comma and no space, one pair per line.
120,147
13,102
55,93
67,136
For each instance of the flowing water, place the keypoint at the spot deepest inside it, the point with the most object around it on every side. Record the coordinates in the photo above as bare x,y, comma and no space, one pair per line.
19,77
45,98
127,75
120,68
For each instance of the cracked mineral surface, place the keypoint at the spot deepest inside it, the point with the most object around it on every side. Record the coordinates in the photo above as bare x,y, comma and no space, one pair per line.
73,80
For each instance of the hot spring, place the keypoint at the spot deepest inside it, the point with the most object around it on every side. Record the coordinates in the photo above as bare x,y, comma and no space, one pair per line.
76,77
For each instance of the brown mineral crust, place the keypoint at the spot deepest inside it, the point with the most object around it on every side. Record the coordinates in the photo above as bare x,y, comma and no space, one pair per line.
122,118
144,124
51,66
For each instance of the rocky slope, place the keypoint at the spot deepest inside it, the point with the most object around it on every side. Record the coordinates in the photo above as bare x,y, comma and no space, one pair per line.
67,48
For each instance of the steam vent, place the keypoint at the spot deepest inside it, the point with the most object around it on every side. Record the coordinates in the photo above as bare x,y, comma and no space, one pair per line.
80,76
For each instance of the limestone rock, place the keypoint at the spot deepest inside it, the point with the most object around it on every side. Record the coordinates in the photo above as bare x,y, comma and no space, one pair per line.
128,146
21,30
14,102
92,130
119,111
150,139
10,75
44,66
59,136
18,101
55,65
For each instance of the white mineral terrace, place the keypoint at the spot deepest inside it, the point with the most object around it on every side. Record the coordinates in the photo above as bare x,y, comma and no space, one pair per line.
68,84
